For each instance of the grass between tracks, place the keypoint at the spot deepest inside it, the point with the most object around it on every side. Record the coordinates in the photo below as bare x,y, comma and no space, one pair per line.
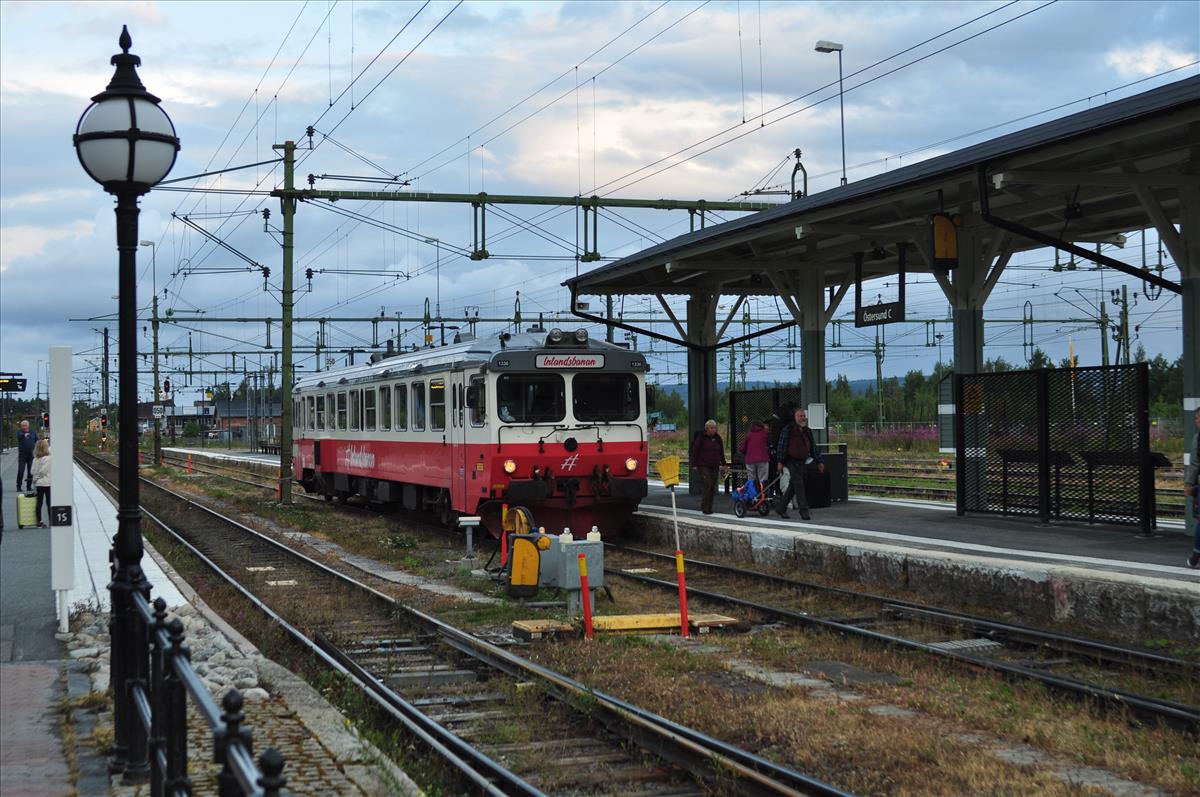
960,730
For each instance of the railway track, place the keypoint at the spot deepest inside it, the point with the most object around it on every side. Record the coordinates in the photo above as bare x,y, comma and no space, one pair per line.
1079,667
1169,506
501,723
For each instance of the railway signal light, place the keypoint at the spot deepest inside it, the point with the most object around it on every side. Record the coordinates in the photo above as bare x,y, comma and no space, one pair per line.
45,420
166,388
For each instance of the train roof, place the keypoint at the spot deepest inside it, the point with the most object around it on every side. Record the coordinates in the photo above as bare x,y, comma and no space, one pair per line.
517,351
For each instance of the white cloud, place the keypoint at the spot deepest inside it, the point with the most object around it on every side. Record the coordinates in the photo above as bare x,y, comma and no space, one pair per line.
25,240
1148,59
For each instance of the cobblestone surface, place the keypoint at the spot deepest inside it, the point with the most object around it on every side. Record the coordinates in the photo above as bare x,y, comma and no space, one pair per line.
31,762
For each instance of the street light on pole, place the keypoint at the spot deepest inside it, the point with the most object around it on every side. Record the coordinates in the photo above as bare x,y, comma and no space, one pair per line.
833,47
127,143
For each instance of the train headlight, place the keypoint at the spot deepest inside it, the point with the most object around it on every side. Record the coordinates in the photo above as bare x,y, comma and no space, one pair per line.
556,335
510,466
630,464
581,336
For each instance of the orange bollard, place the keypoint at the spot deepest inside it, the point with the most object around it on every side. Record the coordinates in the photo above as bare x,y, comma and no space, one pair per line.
683,621
189,464
279,484
139,458
586,594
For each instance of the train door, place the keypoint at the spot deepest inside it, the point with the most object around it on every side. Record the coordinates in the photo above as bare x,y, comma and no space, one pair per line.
458,442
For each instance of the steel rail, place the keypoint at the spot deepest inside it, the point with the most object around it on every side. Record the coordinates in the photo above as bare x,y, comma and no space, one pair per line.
442,741
1186,718
1098,650
672,741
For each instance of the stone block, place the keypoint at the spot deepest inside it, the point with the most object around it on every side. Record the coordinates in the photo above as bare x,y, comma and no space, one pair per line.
1116,607
1173,614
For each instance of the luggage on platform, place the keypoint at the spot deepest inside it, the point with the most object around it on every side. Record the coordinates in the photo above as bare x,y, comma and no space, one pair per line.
816,489
26,510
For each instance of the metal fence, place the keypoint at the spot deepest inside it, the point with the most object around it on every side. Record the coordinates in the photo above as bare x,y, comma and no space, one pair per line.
151,686
748,406
1069,444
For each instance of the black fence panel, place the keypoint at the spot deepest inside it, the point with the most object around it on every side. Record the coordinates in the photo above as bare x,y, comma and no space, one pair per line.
748,406
1069,444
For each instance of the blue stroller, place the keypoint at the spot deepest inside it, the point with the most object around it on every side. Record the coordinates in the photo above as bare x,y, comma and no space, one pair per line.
748,498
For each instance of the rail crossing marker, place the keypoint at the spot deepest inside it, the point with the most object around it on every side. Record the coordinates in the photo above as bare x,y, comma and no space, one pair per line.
668,470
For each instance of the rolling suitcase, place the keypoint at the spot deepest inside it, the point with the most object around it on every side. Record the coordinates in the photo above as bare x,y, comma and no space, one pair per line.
26,510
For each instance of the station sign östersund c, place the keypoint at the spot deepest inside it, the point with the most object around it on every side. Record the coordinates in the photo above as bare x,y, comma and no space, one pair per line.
875,314
569,361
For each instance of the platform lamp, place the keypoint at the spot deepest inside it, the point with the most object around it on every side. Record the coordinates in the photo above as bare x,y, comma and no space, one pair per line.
833,47
127,143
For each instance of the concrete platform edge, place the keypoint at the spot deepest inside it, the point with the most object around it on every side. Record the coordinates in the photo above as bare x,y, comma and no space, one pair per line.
1137,608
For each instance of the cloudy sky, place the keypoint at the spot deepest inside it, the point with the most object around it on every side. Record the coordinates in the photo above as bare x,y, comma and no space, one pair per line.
679,99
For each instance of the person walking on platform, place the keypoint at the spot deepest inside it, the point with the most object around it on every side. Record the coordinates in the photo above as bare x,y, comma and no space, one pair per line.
756,453
1191,488
26,442
41,478
797,451
708,458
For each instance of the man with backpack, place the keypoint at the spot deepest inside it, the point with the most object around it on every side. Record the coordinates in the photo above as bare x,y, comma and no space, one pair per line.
797,451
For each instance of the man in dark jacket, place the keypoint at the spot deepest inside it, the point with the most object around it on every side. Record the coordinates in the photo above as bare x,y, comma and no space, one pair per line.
26,440
708,457
797,451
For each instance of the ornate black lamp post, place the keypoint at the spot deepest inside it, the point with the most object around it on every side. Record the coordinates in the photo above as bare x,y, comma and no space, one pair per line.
127,143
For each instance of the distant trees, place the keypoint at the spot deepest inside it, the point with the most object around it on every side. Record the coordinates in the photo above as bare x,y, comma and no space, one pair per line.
914,398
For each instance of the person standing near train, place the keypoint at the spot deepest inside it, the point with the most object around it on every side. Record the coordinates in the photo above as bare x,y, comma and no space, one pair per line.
756,453
26,441
797,451
708,458
41,478
1191,488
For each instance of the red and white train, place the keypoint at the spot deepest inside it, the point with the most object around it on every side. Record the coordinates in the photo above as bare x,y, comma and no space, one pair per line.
549,420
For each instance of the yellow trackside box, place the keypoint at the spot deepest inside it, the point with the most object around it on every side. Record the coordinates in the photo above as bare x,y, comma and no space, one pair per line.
524,568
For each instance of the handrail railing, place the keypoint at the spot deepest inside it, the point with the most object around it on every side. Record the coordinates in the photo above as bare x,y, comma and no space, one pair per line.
157,690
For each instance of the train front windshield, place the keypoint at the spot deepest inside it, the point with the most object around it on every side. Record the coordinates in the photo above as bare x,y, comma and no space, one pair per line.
531,398
605,397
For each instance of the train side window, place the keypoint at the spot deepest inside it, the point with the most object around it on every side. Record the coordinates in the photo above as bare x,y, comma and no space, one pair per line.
385,409
401,407
369,410
311,418
321,413
437,404
479,411
355,410
418,406
341,411
331,409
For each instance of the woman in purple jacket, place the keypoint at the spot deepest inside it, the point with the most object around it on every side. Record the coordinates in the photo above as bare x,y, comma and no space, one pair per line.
756,453
708,458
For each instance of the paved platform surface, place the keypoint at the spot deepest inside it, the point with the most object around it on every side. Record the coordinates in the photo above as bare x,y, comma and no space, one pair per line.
36,668
928,525
32,762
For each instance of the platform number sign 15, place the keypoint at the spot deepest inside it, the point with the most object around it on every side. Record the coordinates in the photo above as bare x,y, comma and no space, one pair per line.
60,516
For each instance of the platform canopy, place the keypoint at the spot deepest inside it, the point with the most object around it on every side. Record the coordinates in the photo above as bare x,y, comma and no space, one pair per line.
1084,178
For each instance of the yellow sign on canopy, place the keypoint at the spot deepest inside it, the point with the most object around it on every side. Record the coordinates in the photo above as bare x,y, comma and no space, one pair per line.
668,470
